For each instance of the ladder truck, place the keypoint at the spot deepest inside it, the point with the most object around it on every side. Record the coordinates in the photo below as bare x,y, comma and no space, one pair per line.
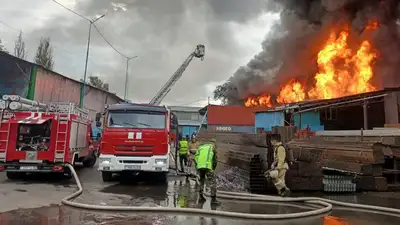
140,138
162,93
37,137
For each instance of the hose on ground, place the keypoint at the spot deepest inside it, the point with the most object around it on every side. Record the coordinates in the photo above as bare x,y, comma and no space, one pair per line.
326,203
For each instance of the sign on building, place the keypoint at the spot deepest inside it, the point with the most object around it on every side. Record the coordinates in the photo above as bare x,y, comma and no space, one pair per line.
223,129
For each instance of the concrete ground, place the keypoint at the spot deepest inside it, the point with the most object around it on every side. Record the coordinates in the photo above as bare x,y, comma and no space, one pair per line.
36,201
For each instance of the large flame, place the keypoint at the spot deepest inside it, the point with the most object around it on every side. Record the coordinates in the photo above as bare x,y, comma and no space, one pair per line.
291,92
342,72
262,100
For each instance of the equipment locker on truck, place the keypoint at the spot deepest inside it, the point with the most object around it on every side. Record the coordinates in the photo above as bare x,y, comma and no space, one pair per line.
36,137
136,138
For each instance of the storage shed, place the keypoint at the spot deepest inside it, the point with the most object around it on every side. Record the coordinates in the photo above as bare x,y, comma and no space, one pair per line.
237,119
265,120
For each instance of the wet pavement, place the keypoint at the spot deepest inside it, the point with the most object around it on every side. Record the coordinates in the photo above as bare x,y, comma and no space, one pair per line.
41,197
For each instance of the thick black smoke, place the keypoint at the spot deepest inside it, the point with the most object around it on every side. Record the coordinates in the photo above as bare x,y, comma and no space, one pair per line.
290,49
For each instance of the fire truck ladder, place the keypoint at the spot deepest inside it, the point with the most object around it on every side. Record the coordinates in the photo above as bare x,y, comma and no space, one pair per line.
4,133
198,53
64,111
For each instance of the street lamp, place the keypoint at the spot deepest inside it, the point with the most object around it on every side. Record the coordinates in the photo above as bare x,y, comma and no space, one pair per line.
126,75
91,22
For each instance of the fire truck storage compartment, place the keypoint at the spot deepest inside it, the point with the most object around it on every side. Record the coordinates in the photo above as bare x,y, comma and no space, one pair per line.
34,137
78,137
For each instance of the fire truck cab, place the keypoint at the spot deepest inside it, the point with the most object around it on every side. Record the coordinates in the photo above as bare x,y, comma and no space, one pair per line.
36,137
137,138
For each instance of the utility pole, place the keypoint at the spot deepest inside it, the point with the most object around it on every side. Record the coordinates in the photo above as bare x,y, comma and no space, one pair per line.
208,100
91,22
126,76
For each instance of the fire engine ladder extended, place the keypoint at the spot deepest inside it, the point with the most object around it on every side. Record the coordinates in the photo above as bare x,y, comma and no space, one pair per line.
64,111
198,53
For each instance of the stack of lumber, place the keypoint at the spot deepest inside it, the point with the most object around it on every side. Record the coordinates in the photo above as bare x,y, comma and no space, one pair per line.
362,158
243,151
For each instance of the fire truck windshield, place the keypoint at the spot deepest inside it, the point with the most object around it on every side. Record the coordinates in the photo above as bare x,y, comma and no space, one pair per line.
136,119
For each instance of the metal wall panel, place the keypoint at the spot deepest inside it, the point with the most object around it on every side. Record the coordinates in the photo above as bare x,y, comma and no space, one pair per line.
312,119
52,87
267,120
14,75
188,130
230,115
231,129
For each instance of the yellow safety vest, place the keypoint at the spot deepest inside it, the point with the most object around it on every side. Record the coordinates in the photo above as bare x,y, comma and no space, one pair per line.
204,157
184,146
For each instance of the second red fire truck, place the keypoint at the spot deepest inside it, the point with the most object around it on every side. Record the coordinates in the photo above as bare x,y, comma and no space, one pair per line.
36,137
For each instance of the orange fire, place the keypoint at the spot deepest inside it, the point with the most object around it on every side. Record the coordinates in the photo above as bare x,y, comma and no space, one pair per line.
342,72
262,100
291,92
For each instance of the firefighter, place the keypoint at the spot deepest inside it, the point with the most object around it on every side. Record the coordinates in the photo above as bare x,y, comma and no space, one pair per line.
206,162
279,167
183,152
193,146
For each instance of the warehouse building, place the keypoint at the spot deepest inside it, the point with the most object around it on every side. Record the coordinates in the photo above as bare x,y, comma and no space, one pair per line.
189,119
355,112
32,81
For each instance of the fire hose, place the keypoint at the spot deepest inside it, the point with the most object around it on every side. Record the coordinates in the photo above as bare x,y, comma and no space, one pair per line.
327,205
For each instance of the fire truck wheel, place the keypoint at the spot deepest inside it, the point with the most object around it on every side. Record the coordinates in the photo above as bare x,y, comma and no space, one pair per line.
163,177
107,176
14,175
89,161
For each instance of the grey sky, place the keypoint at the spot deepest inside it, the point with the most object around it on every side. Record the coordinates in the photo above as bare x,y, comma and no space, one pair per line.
161,33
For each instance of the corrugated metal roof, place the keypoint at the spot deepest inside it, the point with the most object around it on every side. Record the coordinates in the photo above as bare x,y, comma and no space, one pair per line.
188,123
184,108
230,115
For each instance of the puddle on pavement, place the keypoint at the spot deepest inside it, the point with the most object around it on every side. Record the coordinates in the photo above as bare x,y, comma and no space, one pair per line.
181,193
61,215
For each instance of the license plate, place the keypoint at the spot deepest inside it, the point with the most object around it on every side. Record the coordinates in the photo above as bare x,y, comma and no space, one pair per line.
133,167
158,168
28,168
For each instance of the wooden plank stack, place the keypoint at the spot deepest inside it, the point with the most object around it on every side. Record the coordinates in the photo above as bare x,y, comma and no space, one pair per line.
362,158
244,151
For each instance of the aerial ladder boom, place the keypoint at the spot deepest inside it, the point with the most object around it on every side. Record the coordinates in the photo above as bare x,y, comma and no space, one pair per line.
198,53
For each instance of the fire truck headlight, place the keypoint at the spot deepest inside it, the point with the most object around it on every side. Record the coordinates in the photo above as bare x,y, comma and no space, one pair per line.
105,161
161,161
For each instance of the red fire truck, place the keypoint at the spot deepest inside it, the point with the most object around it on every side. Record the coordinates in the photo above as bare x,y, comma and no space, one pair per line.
36,137
137,138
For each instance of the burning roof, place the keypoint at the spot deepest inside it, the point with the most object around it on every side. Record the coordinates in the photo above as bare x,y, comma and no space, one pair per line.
321,49
342,70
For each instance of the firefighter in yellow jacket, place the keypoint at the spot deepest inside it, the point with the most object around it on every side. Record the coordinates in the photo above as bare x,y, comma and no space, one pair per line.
206,162
279,167
183,153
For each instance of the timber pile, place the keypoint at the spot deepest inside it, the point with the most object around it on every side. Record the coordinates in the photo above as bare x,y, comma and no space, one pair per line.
345,154
244,151
241,151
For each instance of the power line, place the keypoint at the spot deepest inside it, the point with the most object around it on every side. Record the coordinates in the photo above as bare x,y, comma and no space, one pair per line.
97,29
56,47
83,17
105,39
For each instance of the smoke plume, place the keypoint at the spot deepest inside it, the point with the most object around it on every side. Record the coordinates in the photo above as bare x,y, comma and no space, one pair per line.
291,47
